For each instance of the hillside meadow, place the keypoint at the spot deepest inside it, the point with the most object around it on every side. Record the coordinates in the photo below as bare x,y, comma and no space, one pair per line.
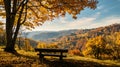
30,59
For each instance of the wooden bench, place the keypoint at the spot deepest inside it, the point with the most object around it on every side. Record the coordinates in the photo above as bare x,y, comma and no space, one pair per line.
51,52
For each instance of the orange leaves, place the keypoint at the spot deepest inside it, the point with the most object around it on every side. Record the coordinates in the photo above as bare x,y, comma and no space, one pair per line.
50,9
1,23
75,52
28,25
74,16
1,2
44,10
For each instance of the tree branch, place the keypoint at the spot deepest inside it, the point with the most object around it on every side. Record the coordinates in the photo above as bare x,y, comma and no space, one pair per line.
19,5
19,20
33,12
25,16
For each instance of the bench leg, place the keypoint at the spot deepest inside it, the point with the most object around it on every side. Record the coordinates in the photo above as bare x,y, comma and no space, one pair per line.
41,56
61,55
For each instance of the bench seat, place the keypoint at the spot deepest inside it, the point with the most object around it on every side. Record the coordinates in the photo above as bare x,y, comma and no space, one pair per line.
51,52
56,55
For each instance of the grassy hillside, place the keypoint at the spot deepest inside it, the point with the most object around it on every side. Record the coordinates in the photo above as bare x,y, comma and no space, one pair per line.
30,59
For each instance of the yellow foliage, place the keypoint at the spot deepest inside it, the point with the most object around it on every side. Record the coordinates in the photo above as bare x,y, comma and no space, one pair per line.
52,45
104,46
43,10
27,45
75,52
41,45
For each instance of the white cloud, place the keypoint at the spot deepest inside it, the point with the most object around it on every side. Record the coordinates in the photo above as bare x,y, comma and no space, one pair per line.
64,24
105,22
82,23
108,21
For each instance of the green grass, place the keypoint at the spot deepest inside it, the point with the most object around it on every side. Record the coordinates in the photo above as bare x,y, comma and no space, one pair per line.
30,59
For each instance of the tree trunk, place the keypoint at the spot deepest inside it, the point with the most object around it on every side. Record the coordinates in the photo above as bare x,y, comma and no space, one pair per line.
9,36
11,30
10,18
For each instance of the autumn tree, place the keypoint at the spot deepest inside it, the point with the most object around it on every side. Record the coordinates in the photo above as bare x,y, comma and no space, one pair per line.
27,45
31,13
52,45
75,52
104,47
95,46
114,45
41,45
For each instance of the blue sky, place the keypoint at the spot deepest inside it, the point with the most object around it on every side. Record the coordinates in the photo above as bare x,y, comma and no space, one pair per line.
106,13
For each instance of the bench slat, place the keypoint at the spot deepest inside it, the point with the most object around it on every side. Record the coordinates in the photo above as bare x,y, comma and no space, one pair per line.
51,50
52,55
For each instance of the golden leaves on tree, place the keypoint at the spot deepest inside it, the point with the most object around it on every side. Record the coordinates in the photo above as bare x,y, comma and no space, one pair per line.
44,10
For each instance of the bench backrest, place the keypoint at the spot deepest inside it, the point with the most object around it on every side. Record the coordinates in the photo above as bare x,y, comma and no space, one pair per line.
50,50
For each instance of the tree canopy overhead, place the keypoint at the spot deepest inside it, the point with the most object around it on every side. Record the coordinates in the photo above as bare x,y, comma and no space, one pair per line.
31,13
36,12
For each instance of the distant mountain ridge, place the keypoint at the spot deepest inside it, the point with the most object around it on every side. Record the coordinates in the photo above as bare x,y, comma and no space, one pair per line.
78,39
46,35
54,36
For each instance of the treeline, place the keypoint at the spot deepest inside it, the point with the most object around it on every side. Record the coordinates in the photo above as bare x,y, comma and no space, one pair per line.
100,42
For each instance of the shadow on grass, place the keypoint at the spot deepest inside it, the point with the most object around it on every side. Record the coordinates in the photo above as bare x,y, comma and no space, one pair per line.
54,62
73,63
25,56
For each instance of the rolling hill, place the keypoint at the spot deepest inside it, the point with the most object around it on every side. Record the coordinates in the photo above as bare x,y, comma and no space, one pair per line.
72,38
79,39
46,35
